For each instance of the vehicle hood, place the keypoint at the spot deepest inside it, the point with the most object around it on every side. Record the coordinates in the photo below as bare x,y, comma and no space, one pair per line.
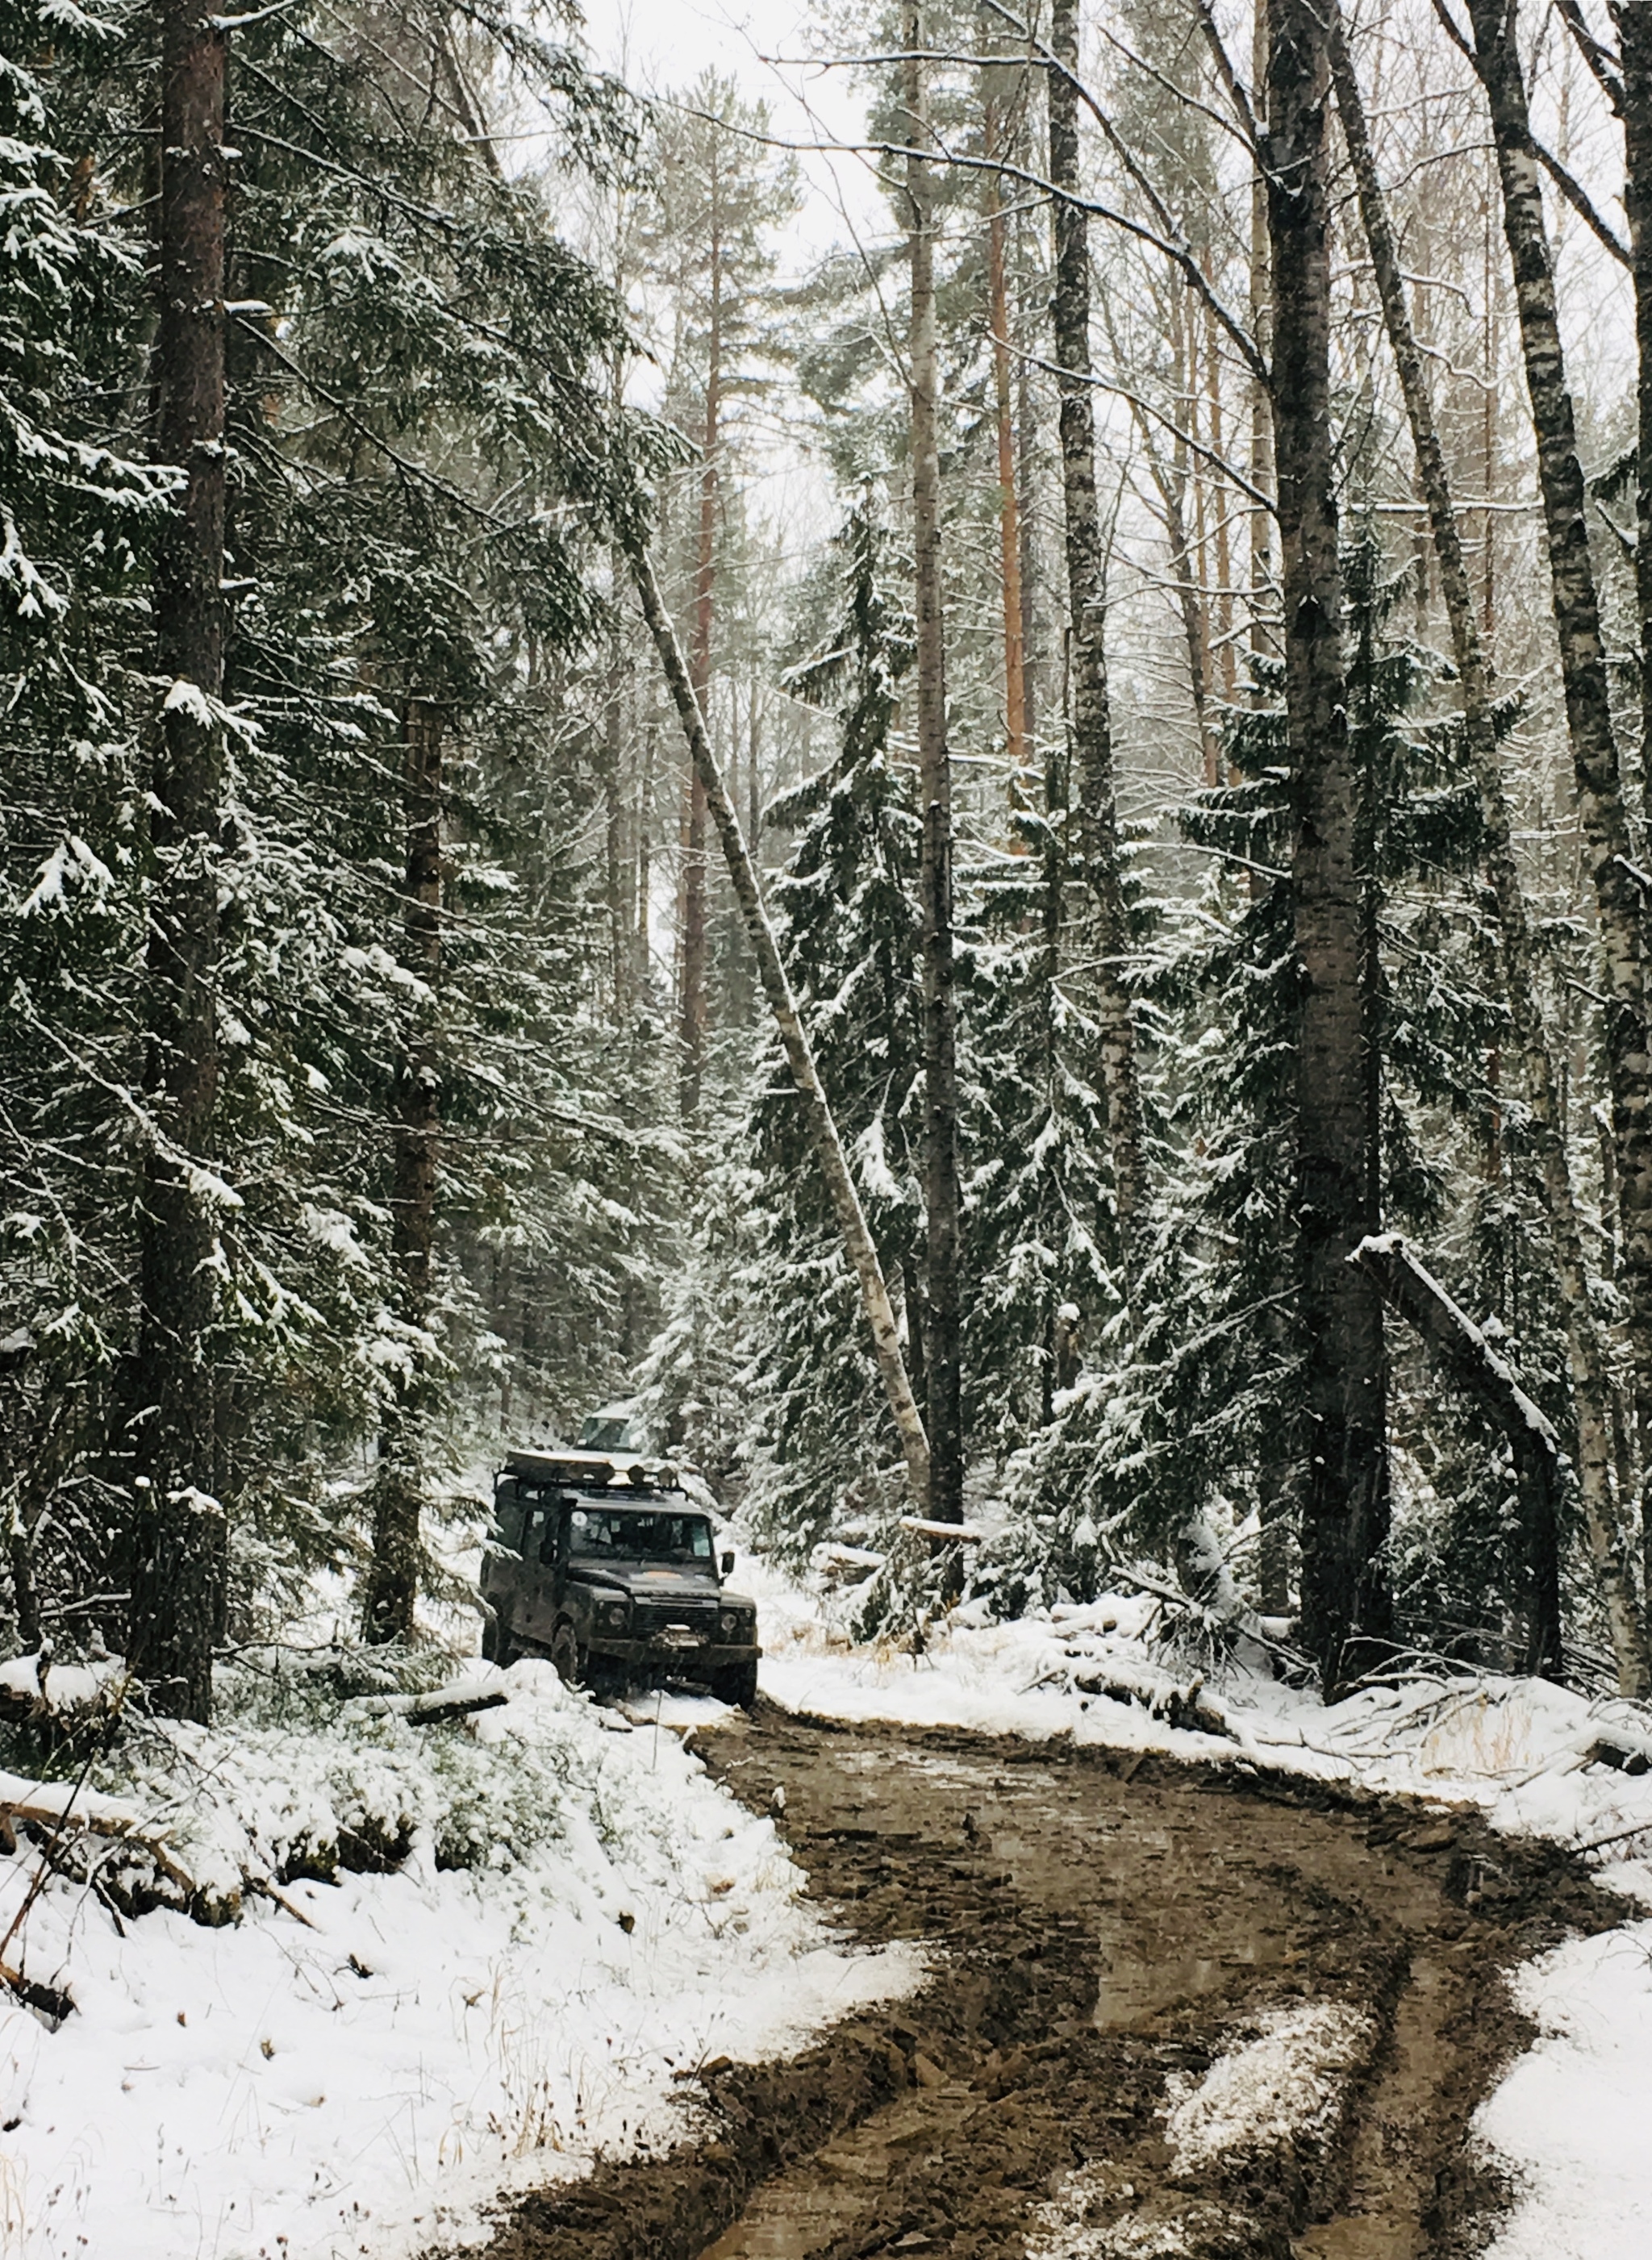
648,1581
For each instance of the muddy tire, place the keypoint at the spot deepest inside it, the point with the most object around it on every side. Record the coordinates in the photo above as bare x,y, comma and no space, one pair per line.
737,1685
565,1654
497,1647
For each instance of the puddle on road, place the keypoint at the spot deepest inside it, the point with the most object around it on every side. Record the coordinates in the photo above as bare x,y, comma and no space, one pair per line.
1128,1992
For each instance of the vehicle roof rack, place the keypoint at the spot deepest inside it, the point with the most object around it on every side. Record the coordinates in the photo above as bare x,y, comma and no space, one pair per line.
595,1470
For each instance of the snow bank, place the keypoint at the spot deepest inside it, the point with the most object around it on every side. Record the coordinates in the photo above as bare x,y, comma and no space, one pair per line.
361,2069
1571,2116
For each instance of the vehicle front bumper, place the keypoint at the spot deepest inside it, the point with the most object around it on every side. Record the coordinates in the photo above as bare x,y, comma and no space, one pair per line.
694,1660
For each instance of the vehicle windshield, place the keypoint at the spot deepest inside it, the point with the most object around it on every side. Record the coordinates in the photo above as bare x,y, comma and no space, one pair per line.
608,1432
623,1533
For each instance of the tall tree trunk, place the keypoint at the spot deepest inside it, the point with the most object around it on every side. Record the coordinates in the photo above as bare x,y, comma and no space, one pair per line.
1262,463
1583,662
1009,501
1586,1358
618,872
694,874
1026,461
942,1195
179,1531
1172,481
1090,784
392,1582
823,1130
1634,34
643,940
1344,1502
1215,425
1279,1470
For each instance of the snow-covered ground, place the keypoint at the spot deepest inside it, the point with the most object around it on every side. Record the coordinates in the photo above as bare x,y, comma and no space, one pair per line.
1568,2122
362,2066
361,2069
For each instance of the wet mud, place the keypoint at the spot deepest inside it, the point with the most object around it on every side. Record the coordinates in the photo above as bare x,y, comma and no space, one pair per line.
1107,1927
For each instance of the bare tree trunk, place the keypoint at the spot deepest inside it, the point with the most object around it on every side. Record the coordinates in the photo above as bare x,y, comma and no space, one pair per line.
694,874
1583,674
1091,783
1223,607
1345,1503
1262,462
1009,501
617,875
942,1194
1477,1369
393,1580
1027,458
1171,482
1591,1390
823,1131
644,937
1634,34
179,1533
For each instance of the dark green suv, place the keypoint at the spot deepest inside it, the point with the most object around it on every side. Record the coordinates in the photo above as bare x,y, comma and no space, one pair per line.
609,1569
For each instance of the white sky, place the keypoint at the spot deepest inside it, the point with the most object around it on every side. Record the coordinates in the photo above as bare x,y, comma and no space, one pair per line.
659,46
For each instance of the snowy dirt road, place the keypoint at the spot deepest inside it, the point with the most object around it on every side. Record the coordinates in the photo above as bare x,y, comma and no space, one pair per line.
1175,2010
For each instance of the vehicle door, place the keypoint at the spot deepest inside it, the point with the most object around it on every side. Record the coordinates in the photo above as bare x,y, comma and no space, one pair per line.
536,1614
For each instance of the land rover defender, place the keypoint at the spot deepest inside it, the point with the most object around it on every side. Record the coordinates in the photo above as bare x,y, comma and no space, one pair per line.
605,1565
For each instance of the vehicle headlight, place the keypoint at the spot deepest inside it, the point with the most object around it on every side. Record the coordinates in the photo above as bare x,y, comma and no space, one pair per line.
732,1625
614,1614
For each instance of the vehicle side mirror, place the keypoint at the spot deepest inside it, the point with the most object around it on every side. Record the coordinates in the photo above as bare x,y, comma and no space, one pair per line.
726,1563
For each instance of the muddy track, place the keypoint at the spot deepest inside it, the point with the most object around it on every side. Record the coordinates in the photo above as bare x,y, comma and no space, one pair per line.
1110,1925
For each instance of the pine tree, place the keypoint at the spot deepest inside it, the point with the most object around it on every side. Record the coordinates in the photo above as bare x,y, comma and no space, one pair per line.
848,903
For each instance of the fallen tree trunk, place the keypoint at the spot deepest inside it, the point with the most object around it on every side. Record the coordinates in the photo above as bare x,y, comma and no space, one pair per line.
1478,1371
846,1201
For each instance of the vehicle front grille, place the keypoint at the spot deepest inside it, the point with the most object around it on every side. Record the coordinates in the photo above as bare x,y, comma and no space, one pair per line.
653,1617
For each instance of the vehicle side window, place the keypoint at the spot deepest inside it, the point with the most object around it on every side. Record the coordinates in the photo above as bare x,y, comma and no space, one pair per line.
508,1511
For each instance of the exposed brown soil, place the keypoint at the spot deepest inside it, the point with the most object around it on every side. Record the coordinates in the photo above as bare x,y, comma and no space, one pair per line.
1106,1923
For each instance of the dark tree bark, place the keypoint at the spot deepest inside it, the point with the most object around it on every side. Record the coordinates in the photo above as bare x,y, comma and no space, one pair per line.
942,1194
694,889
1583,662
392,1582
1634,34
1092,781
1345,1500
179,1534
621,923
1591,1389
1009,499
823,1130
1262,462
1476,1367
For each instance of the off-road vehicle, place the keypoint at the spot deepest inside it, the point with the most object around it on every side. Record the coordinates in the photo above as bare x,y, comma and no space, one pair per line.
607,1566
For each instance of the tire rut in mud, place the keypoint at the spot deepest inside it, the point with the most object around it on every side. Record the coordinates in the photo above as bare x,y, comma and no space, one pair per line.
1109,1925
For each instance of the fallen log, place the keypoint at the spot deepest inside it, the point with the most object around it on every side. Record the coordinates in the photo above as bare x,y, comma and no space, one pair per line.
1469,1360
858,1246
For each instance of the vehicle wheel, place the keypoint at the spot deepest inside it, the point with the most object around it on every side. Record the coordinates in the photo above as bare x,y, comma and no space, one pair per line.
737,1685
497,1647
565,1654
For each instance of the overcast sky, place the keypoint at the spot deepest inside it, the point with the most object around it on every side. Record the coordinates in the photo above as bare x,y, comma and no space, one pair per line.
658,46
